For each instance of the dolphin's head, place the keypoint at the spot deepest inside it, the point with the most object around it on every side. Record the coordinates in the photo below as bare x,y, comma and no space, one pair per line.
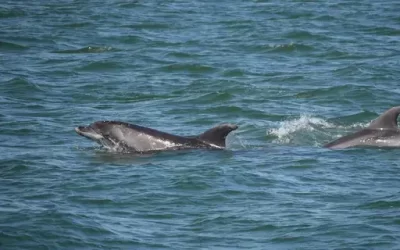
100,132
89,132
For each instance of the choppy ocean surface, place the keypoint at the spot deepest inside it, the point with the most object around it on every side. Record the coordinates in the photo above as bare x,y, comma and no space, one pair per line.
293,75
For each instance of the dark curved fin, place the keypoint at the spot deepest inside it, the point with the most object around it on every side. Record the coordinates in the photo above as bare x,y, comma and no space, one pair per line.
216,135
387,120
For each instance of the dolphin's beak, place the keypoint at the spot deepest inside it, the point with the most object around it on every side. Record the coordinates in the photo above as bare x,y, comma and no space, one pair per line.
88,132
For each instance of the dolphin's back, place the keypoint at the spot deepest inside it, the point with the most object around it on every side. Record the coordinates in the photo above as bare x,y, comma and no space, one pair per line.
140,139
367,137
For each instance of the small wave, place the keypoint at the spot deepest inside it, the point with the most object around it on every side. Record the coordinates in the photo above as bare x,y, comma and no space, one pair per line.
129,5
11,46
263,228
19,83
9,13
287,47
130,39
96,66
338,54
179,54
190,183
103,201
214,97
385,31
147,26
325,18
329,91
234,73
172,43
303,35
131,98
347,93
75,25
225,109
353,120
383,204
88,49
13,167
351,70
192,68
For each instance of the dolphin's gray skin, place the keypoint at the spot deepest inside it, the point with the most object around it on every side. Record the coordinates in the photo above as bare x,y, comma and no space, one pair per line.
129,138
382,132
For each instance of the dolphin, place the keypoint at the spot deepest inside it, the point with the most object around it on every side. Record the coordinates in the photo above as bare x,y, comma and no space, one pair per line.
123,137
381,132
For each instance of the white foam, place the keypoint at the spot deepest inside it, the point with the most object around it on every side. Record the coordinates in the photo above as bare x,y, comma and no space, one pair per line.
305,123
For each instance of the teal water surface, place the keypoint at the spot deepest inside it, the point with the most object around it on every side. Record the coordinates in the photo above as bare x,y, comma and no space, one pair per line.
292,75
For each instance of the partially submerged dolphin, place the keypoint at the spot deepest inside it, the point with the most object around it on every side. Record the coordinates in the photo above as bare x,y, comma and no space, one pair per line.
129,138
382,132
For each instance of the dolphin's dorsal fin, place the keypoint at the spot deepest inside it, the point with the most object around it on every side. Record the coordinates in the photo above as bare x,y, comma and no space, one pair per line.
387,120
216,135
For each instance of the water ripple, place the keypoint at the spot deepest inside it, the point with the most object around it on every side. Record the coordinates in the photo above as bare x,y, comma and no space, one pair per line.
7,46
293,75
88,49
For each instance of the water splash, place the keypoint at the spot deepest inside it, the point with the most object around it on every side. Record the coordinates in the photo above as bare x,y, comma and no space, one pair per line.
304,123
308,126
